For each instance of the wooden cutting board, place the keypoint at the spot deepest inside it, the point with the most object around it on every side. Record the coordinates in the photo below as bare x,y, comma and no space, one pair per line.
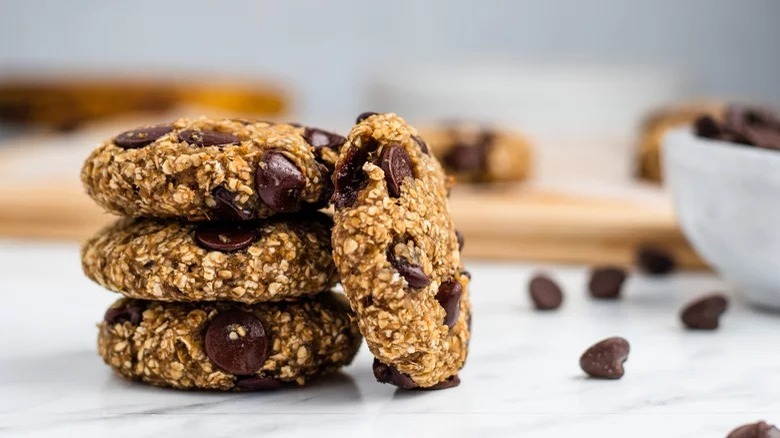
41,197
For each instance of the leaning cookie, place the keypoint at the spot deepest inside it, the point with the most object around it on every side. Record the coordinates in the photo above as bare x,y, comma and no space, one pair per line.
262,260
395,246
477,153
212,169
228,346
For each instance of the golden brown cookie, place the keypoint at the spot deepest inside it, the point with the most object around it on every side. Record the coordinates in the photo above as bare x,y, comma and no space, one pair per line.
252,261
212,169
396,248
228,346
479,154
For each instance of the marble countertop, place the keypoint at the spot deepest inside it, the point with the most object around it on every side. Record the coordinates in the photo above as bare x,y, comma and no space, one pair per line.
522,376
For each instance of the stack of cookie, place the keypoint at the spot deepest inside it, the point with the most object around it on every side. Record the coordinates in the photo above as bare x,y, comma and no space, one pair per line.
223,256
223,260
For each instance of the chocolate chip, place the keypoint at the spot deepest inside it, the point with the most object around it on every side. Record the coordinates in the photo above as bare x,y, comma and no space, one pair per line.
654,260
129,310
413,274
138,138
327,186
449,382
207,138
279,182
349,175
236,342
545,293
224,236
319,138
388,374
449,298
459,236
397,166
464,158
226,208
605,359
422,144
755,430
257,383
703,313
707,127
606,282
364,116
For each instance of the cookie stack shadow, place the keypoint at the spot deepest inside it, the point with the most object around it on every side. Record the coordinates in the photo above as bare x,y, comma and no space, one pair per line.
223,260
226,261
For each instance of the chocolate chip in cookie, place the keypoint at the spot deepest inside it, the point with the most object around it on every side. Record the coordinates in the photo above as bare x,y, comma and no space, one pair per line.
207,138
138,138
349,176
224,236
397,166
279,182
257,383
319,138
422,144
388,374
412,273
226,208
130,310
449,298
236,342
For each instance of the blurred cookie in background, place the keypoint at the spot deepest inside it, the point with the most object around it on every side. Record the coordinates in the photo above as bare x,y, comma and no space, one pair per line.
479,153
658,123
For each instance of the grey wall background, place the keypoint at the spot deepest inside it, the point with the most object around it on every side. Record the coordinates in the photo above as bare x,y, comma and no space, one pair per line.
325,48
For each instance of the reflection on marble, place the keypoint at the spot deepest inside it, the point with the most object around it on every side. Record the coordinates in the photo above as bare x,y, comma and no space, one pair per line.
522,376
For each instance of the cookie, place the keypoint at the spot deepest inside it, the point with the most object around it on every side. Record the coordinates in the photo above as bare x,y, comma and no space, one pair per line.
228,346
479,154
212,169
395,246
262,260
655,127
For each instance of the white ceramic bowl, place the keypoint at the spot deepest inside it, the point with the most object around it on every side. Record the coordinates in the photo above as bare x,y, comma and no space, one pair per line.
727,198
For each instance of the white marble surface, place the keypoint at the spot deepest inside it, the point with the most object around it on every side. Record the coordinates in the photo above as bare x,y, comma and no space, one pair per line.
522,377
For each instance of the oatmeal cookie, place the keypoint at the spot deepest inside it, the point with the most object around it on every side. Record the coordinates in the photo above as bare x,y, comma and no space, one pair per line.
252,261
212,169
228,346
396,248
477,153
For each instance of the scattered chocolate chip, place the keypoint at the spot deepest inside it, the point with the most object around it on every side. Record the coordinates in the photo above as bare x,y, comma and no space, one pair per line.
364,116
422,144
349,175
207,138
257,383
236,342
226,208
279,182
129,310
606,282
545,293
224,236
605,359
319,138
654,260
388,374
397,166
413,274
755,430
459,236
449,382
449,298
703,313
138,138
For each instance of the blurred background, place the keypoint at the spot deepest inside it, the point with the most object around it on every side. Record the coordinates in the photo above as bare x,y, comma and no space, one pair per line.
579,90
